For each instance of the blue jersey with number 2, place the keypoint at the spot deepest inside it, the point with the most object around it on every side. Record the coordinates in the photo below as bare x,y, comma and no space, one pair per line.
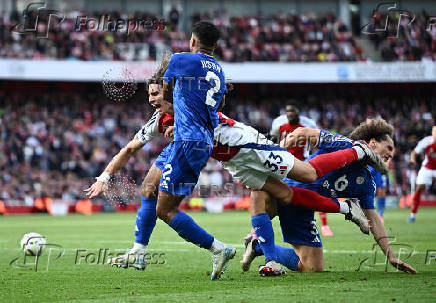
198,91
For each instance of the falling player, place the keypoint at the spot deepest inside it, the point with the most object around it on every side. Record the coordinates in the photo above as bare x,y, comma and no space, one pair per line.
427,172
227,132
146,216
287,123
297,223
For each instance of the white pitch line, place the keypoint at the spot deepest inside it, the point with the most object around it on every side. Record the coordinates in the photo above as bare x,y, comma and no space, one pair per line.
326,251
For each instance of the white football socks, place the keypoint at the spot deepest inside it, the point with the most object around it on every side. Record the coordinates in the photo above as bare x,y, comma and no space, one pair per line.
138,248
217,246
343,207
360,153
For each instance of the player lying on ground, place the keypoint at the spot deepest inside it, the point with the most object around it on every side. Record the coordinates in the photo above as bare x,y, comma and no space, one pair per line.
257,163
298,224
427,171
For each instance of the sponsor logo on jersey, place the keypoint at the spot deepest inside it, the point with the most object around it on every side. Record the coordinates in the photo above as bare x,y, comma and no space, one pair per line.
360,180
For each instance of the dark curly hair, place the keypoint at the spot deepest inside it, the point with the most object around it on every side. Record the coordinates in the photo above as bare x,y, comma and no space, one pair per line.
207,33
377,129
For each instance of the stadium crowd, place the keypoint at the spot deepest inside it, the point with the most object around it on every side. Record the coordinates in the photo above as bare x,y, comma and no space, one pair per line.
279,37
404,39
54,143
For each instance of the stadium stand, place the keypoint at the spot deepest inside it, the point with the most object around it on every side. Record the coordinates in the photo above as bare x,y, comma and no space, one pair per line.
307,37
56,139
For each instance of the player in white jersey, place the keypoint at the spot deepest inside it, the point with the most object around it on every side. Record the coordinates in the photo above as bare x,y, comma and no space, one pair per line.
427,173
257,163
236,140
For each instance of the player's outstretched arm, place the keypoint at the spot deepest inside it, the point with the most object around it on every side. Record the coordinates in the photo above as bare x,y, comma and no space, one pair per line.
300,136
117,162
379,232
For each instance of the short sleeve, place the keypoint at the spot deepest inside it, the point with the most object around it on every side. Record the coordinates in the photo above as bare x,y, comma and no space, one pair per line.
275,127
307,122
367,202
422,145
377,178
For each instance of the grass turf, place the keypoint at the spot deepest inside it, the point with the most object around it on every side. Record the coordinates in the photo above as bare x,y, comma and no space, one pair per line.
185,275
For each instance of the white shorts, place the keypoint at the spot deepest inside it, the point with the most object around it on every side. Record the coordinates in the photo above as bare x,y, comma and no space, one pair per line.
426,176
251,167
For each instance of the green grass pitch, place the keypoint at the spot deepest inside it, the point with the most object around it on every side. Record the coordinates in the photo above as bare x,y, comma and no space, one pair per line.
185,275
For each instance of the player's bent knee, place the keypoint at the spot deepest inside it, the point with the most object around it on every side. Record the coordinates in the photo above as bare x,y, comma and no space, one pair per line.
148,188
287,197
311,267
162,213
310,175
420,188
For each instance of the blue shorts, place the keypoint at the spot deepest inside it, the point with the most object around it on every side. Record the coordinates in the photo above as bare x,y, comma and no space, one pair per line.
184,163
163,156
298,225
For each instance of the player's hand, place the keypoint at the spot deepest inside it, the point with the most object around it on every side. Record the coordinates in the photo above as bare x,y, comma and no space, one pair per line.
95,189
169,132
400,265
288,141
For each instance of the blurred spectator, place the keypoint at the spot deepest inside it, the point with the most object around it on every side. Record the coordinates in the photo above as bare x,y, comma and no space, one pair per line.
404,40
279,37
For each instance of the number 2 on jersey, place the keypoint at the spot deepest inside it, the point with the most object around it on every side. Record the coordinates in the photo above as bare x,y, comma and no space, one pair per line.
214,89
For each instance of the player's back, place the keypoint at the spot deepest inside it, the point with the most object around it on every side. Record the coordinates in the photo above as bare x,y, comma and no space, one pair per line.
233,133
198,91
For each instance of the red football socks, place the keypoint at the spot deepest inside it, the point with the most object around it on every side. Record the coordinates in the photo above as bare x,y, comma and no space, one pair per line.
314,201
323,217
325,163
416,200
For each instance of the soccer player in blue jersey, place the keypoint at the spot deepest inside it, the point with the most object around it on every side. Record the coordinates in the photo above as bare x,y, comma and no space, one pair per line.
381,183
298,224
198,84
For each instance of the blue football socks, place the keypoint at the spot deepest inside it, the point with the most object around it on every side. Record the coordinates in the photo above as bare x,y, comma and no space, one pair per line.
265,235
287,257
191,231
145,220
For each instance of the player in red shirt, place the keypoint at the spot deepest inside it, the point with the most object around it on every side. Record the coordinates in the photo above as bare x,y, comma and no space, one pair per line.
286,124
427,173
